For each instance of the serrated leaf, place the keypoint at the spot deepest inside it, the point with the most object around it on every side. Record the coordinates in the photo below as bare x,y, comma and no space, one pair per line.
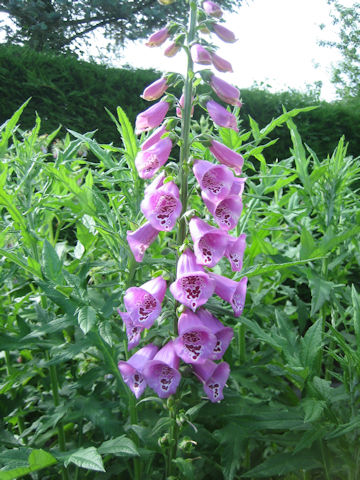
120,446
86,318
313,409
86,458
307,244
320,291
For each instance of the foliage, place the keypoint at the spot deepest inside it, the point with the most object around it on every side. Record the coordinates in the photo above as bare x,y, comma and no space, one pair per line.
291,406
53,25
347,73
73,94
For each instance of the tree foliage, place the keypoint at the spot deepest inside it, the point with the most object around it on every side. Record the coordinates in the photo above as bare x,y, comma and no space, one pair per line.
57,25
346,75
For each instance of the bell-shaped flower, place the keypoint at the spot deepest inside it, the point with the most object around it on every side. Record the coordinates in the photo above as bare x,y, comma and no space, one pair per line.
212,9
214,180
180,108
224,33
221,116
133,332
140,240
213,377
226,212
158,38
223,334
161,373
156,89
237,187
151,117
228,93
231,291
162,206
209,242
154,137
172,49
192,287
143,304
200,55
155,184
195,342
235,251
149,161
132,369
226,156
220,63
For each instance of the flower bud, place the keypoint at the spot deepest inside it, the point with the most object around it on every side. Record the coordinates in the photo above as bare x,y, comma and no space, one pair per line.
224,34
212,9
200,55
158,38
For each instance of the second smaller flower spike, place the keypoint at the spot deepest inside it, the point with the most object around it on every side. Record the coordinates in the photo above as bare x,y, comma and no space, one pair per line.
213,377
221,64
221,116
162,207
192,287
143,304
140,240
228,93
235,251
200,55
195,342
133,332
155,90
223,334
226,212
161,373
231,291
224,33
209,242
212,9
226,156
151,117
132,369
214,180
158,38
149,161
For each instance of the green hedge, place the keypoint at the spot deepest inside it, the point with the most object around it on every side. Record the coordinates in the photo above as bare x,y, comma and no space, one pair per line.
74,93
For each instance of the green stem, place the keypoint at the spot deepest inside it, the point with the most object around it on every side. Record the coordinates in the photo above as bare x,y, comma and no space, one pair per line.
327,476
242,346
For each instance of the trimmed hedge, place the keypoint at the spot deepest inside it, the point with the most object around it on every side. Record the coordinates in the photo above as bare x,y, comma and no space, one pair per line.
75,93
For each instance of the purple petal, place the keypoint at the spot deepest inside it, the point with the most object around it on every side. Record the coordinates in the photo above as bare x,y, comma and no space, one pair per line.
226,212
223,334
168,355
214,378
142,307
235,251
155,184
195,342
154,137
140,240
149,161
221,116
226,156
133,332
187,263
215,180
151,117
162,207
237,187
209,242
231,291
157,288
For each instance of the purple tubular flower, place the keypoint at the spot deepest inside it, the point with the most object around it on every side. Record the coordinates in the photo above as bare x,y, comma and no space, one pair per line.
195,342
200,55
213,377
226,212
133,332
209,242
131,370
140,240
162,207
192,287
212,9
154,137
237,187
155,90
231,291
172,49
149,161
223,334
226,156
215,180
143,304
151,117
221,116
158,38
235,251
155,184
220,63
161,373
224,33
225,91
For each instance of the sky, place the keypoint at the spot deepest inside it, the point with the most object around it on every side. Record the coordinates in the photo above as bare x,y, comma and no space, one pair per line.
277,46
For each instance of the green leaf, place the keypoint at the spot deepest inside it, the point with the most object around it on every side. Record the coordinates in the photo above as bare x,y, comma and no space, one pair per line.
9,127
86,458
311,344
120,446
273,267
51,264
307,244
86,318
355,297
313,409
320,291
185,466
38,459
